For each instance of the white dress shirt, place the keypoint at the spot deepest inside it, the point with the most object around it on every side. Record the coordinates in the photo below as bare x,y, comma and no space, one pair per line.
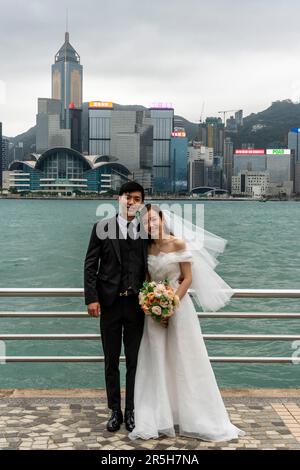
123,226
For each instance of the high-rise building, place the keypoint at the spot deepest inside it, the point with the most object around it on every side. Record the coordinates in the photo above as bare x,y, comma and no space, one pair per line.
249,159
5,153
239,118
294,145
76,128
49,133
281,167
125,136
67,76
18,151
100,114
132,144
211,134
179,160
200,163
1,157
162,118
228,163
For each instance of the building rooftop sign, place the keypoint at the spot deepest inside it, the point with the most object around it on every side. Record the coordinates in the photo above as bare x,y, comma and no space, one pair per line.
278,151
178,134
101,104
161,105
250,152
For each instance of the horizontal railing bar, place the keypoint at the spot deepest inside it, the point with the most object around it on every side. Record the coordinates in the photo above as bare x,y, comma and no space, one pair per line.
79,292
248,359
46,314
16,337
41,292
200,314
270,293
247,315
251,337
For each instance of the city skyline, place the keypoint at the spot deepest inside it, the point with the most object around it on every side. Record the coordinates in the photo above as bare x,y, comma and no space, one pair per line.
185,54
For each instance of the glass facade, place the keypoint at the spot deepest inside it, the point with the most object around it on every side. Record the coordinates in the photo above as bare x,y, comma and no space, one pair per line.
163,123
62,165
100,131
66,170
179,163
248,162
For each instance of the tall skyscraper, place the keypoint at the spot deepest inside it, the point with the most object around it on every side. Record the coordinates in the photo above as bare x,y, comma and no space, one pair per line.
294,145
48,130
179,160
1,156
100,116
67,80
228,163
122,135
211,134
162,118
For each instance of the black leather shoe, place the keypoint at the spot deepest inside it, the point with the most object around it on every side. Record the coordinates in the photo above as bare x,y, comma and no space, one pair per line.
129,420
115,421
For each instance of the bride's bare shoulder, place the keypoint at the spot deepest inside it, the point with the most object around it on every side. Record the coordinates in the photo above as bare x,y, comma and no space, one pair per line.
178,244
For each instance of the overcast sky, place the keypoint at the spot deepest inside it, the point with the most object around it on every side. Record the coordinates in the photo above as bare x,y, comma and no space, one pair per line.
227,54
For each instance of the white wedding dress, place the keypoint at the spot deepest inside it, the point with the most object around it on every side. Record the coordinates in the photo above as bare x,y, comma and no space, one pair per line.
175,383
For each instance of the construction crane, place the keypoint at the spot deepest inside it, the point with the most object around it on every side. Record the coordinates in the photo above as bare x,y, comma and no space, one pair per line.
227,111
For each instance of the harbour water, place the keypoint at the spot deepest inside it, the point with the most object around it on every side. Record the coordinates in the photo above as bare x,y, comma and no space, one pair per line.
43,244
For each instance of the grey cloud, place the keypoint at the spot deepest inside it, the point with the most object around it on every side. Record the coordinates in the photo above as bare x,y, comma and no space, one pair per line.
141,50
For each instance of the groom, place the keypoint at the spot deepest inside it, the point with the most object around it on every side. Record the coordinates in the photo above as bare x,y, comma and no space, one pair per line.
114,270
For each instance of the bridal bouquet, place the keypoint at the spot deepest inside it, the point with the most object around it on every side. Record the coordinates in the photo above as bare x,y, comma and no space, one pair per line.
158,299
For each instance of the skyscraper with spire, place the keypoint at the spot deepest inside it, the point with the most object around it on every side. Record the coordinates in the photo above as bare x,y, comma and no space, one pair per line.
67,80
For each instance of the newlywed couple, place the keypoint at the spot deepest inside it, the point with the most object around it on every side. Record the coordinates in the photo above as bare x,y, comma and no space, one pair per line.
169,378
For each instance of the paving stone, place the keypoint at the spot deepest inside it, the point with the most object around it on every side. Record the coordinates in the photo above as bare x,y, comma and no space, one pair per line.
66,423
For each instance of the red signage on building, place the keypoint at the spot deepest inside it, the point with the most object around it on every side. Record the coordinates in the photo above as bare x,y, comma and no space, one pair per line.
250,152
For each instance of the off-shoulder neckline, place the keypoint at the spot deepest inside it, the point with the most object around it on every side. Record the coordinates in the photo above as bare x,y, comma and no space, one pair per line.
168,252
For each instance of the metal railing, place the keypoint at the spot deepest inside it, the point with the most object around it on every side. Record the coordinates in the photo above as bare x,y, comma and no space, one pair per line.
78,292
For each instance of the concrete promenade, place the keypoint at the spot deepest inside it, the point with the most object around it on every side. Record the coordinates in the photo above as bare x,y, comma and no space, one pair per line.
76,419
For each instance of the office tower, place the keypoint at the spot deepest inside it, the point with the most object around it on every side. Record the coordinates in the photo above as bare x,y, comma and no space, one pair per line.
249,159
200,162
231,125
162,118
18,151
132,144
211,134
5,153
100,113
239,118
49,133
75,125
294,145
123,136
179,160
1,157
280,163
67,76
228,163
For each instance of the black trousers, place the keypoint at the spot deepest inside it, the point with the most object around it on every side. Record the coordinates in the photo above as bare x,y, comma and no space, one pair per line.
125,317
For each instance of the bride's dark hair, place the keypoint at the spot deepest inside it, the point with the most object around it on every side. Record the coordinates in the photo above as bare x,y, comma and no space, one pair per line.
147,208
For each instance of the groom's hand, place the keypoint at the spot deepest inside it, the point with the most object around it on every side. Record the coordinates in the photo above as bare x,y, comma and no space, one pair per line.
94,309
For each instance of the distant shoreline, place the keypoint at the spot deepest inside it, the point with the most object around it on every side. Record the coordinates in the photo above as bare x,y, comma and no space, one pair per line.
69,198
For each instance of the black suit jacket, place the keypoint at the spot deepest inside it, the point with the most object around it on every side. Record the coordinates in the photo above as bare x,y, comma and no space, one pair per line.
102,266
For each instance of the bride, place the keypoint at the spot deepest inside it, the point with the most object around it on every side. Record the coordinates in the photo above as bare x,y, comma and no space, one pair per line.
175,383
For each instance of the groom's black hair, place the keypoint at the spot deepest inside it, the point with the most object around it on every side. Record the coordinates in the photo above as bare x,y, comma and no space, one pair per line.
130,187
